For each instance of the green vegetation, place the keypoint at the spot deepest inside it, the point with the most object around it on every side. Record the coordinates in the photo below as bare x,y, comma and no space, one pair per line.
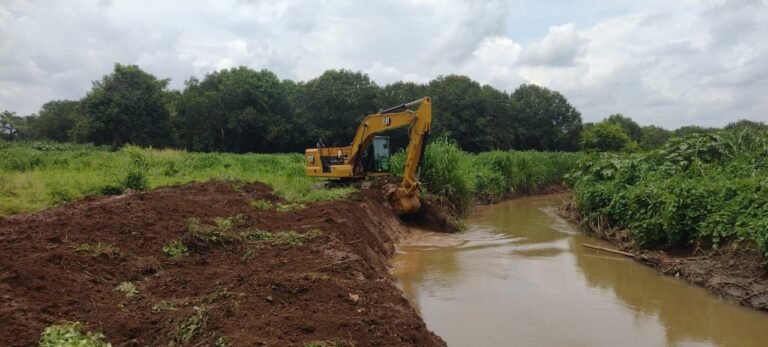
710,186
261,204
175,249
191,326
99,249
463,177
606,137
70,335
35,176
128,289
288,237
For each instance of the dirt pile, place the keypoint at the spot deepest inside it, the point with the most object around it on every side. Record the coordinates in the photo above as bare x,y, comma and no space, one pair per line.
196,264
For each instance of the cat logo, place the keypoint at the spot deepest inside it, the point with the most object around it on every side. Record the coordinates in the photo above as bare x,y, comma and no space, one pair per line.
387,121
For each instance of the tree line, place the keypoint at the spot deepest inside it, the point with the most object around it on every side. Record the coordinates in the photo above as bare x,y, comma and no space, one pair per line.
244,110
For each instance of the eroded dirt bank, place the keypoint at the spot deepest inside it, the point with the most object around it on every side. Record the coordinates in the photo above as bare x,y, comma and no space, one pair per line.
327,281
735,271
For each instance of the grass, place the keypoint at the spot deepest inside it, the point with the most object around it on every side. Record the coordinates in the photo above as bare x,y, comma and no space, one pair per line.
100,249
711,187
191,326
490,176
128,289
36,176
70,335
175,249
220,232
289,237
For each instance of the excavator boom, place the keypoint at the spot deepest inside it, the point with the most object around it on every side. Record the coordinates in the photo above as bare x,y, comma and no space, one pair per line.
346,162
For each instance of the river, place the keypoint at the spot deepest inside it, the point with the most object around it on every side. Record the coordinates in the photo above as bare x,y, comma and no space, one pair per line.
519,276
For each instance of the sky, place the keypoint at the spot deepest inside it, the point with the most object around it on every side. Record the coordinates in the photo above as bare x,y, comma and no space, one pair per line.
668,63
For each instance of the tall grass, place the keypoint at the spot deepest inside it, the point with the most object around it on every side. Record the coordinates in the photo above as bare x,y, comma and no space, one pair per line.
490,176
38,175
703,186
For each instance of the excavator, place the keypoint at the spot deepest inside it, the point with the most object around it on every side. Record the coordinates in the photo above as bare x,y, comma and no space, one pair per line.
368,154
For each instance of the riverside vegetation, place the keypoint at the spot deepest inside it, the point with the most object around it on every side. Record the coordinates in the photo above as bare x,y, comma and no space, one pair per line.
709,187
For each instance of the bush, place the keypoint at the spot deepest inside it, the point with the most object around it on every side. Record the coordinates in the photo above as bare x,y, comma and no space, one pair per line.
708,186
606,137
70,335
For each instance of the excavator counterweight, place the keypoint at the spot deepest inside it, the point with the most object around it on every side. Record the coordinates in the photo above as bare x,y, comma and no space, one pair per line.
347,162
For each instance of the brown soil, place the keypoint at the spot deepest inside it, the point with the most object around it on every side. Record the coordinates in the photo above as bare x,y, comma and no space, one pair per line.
333,287
735,271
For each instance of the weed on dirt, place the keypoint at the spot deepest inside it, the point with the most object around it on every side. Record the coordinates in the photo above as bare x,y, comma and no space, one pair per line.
128,289
191,326
71,335
99,249
261,204
175,249
289,237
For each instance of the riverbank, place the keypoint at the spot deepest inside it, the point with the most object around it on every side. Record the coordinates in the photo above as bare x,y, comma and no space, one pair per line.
208,263
735,271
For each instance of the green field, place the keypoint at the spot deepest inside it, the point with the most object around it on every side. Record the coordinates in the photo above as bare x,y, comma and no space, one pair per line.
35,176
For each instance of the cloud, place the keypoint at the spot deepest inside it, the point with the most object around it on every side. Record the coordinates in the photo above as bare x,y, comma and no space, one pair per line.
562,46
661,62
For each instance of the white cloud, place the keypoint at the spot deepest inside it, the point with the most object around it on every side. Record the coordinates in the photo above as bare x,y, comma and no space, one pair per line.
668,63
562,46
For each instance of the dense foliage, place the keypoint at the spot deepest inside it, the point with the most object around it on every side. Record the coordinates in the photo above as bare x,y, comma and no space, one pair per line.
489,176
711,186
605,137
244,110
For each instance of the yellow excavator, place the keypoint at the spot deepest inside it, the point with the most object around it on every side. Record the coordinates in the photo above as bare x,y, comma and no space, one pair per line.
368,154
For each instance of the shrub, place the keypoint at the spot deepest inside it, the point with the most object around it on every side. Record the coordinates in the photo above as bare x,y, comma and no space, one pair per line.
70,334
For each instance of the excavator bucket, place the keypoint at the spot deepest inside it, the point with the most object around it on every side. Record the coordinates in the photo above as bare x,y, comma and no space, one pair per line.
402,201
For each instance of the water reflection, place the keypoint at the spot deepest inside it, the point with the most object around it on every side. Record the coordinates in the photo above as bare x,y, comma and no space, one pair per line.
521,277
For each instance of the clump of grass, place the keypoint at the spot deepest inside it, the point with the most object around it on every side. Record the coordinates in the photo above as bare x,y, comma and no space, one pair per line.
71,334
170,305
175,249
191,326
128,289
221,232
288,237
261,204
289,207
100,249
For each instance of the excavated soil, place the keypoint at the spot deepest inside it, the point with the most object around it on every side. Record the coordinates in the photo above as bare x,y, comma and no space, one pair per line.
333,287
734,271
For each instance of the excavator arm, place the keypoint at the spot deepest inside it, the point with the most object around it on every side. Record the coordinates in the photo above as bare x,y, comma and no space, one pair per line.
345,162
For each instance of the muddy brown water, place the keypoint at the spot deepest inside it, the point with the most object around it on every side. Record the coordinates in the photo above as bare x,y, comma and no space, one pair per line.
519,276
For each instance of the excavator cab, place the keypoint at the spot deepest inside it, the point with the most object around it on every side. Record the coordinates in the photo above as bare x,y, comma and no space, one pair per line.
376,158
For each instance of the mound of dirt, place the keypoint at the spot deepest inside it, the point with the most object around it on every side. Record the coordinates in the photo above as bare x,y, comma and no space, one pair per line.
243,273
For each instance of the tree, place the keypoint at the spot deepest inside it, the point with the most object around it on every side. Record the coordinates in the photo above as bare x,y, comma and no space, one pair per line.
627,124
13,127
653,137
235,110
604,137
126,106
459,112
693,129
746,124
545,120
56,119
333,104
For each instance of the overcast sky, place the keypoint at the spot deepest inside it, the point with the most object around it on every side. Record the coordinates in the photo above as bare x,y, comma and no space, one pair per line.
669,63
